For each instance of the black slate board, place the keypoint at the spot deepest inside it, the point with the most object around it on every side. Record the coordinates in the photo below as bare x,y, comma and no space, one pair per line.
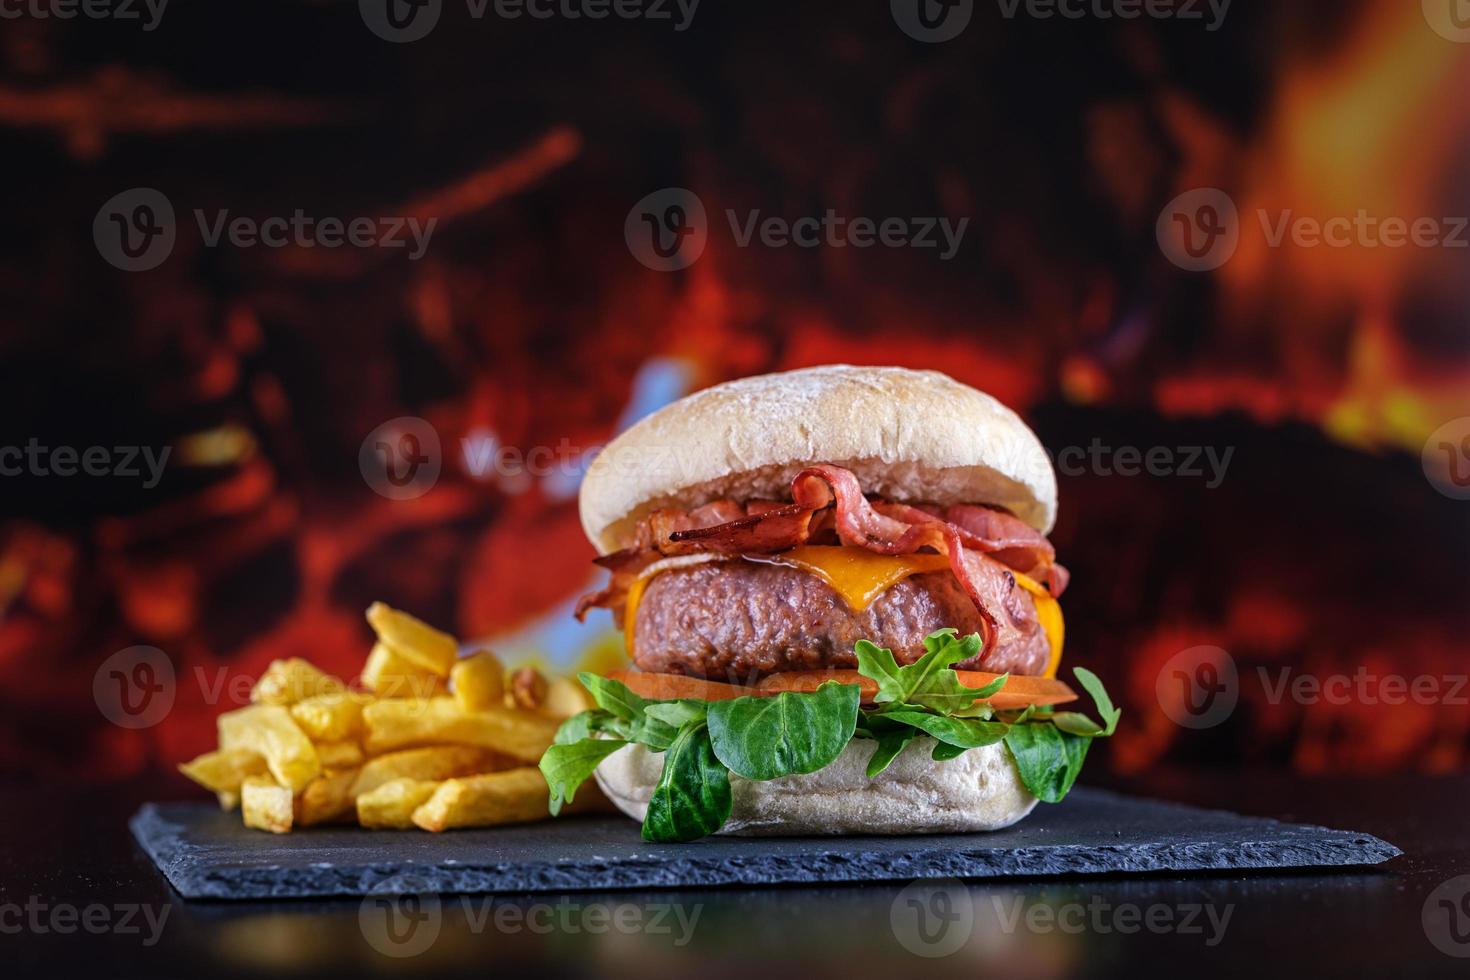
206,853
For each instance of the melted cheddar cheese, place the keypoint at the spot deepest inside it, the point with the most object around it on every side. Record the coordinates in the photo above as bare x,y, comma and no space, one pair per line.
1049,614
856,574
859,576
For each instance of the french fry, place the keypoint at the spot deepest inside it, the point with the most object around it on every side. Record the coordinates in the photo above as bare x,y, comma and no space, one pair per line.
388,674
391,805
330,717
339,755
396,724
435,763
287,681
327,798
268,730
266,805
413,639
513,796
478,681
224,770
565,697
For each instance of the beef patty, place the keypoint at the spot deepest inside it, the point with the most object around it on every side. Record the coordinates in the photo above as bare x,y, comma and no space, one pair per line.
739,621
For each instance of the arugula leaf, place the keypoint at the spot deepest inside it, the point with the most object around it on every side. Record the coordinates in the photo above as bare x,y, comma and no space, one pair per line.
613,696
567,766
576,728
1047,758
692,798
770,737
1077,724
585,724
962,732
1092,685
928,682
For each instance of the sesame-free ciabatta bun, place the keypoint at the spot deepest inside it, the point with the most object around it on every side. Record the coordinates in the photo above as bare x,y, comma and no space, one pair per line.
910,436
979,790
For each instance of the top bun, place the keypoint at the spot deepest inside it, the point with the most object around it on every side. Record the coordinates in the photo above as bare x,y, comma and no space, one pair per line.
911,436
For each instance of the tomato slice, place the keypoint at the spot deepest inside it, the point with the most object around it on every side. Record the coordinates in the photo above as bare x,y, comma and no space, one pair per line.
671,687
1018,693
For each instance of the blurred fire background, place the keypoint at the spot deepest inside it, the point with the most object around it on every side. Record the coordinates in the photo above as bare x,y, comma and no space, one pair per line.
1324,548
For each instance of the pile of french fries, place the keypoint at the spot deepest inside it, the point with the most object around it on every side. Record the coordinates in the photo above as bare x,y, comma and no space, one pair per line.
424,739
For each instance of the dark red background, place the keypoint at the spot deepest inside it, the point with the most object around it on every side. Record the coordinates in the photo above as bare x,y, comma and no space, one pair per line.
1325,547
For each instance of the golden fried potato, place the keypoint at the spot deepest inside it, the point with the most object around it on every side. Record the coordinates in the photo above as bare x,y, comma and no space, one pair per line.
268,730
565,697
513,796
396,724
287,681
266,805
391,805
435,762
413,639
388,674
327,798
223,771
227,800
330,717
478,681
339,755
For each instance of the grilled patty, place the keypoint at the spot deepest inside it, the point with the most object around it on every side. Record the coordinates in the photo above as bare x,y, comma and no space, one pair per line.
739,621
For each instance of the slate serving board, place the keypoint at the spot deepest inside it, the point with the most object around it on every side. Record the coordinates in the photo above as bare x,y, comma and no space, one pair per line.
206,853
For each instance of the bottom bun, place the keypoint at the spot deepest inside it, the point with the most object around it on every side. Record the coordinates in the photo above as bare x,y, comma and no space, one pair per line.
979,790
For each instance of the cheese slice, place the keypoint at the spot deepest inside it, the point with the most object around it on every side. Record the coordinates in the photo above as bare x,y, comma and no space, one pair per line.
859,576
1049,614
856,574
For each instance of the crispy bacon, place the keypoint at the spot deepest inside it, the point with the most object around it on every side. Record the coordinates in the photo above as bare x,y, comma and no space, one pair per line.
880,526
983,544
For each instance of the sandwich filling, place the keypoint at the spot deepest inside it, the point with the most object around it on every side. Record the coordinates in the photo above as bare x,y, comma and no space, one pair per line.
737,591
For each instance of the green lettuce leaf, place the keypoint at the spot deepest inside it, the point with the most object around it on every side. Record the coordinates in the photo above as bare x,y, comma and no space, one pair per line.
965,733
943,751
770,737
891,737
692,798
1047,758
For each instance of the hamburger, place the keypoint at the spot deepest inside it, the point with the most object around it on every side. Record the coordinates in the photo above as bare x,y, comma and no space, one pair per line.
841,609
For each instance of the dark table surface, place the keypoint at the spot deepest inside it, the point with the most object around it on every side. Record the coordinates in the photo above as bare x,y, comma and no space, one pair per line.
77,896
